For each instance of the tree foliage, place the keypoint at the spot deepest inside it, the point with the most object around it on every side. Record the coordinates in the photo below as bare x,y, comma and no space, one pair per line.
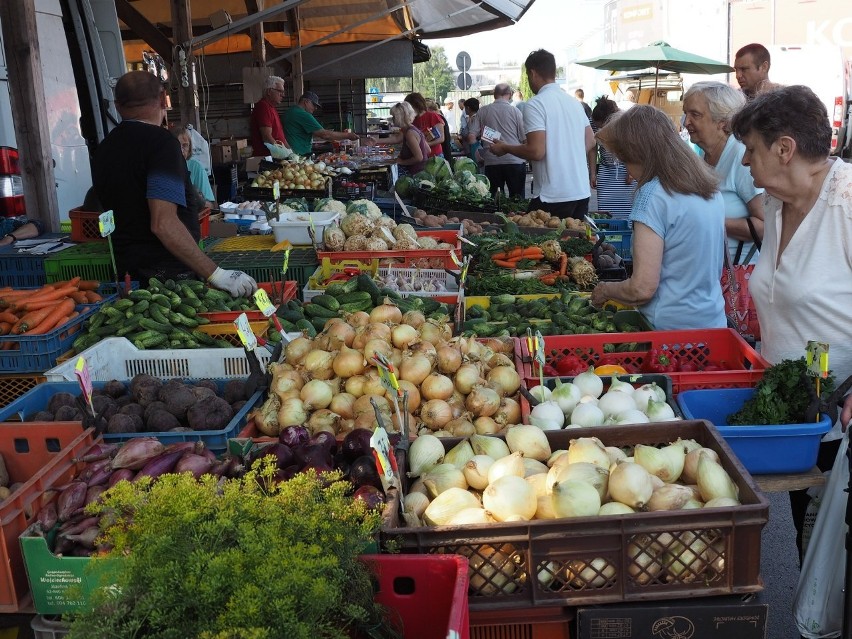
524,84
434,78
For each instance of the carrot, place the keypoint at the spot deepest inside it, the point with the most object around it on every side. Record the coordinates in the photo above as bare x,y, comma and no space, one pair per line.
54,316
8,316
505,263
80,297
33,318
5,327
563,264
55,294
74,281
549,279
93,297
88,285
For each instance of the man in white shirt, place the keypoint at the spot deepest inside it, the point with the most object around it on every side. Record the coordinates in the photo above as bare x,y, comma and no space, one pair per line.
558,139
450,113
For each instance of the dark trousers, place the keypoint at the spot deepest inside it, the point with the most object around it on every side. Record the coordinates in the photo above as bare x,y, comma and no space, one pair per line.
512,175
799,499
576,209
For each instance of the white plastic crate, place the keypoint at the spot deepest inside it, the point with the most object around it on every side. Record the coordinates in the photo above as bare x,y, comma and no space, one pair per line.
449,282
117,358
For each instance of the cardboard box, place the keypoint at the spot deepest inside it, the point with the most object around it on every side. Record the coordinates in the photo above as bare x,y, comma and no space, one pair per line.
713,618
222,153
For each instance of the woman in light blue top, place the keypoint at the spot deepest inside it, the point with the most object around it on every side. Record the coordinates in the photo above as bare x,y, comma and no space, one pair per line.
197,174
678,225
708,108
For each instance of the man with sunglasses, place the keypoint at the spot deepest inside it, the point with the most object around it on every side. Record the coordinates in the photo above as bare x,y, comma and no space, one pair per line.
265,123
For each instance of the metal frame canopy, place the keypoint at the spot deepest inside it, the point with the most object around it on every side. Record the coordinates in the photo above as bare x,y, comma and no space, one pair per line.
320,21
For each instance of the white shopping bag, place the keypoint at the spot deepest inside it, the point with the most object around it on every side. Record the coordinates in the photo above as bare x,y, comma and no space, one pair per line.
818,602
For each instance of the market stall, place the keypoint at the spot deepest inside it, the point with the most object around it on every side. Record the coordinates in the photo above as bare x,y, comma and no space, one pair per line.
474,402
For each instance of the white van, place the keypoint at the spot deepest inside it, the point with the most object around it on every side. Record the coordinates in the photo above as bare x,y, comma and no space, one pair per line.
824,69
69,34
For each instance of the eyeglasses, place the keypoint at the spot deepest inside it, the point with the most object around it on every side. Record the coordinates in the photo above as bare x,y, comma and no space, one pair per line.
281,91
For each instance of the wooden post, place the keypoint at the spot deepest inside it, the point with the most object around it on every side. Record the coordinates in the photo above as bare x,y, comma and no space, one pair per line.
26,89
258,39
298,78
183,64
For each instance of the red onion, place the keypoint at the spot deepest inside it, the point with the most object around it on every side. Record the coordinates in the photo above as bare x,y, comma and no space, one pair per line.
356,443
294,436
371,496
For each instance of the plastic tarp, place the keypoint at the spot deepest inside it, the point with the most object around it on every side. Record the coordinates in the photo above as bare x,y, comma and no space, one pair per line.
319,18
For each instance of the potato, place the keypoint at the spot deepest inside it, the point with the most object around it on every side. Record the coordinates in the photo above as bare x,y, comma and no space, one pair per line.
4,474
4,493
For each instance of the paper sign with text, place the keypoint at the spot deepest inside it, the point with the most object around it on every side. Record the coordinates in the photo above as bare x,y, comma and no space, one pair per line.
106,223
263,302
491,135
81,370
816,358
247,337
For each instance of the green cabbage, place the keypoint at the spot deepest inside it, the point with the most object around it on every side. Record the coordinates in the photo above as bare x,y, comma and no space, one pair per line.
464,164
438,167
405,186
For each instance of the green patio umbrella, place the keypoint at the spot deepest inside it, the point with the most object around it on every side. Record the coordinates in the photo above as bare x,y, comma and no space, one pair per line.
661,57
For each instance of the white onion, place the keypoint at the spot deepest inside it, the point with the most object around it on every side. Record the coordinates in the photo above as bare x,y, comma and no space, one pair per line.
459,454
659,411
491,446
541,393
567,396
292,413
443,477
572,498
630,484
615,508
666,463
470,517
621,387
587,415
447,505
591,474
589,383
416,503
645,392
713,481
486,426
425,453
585,449
530,441
634,416
615,403
547,416
476,471
509,465
318,364
534,467
344,405
690,466
316,394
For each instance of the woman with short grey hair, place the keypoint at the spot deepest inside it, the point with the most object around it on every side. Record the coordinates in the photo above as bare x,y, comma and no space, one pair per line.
708,108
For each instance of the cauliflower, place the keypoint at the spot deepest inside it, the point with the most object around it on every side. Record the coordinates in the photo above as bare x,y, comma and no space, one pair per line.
364,207
333,238
478,188
426,184
330,206
376,244
355,243
356,224
427,242
405,230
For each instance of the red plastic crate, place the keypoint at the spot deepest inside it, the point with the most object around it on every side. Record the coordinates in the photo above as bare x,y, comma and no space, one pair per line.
522,623
204,223
84,226
430,596
38,454
273,289
744,365
420,258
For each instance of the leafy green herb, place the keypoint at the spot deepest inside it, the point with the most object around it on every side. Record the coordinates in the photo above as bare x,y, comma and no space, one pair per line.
240,559
781,397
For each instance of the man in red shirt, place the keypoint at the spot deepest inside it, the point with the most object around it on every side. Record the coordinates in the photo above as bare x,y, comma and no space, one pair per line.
265,122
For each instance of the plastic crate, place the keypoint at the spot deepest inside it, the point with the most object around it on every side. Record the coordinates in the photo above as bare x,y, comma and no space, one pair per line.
267,194
84,226
622,240
37,398
522,623
91,261
341,192
663,381
743,366
763,450
38,454
21,270
37,353
450,295
532,555
419,258
13,386
293,227
245,243
428,593
46,628
204,223
431,202
612,224
265,266
118,358
281,291
228,332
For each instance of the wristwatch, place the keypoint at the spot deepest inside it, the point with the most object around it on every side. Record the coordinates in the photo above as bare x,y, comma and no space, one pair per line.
14,239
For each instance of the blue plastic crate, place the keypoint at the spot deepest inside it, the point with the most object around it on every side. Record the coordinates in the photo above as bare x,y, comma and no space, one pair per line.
608,224
763,450
622,240
23,270
216,440
37,353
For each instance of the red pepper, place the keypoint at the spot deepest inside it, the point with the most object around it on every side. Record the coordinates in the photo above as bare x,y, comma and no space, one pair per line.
570,366
549,371
661,362
712,366
687,367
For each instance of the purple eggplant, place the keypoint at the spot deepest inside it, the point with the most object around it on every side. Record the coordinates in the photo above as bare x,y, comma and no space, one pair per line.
71,499
98,452
47,516
86,537
94,493
136,453
118,475
160,465
195,464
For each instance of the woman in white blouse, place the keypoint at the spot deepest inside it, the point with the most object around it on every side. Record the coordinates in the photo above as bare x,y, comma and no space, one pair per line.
802,284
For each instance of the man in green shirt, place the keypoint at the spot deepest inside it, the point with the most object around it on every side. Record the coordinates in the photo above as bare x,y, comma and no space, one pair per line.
300,125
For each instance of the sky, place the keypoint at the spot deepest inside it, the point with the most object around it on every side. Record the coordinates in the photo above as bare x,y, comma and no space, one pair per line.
546,25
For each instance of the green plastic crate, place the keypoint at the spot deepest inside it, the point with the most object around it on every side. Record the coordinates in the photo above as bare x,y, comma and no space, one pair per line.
91,261
265,266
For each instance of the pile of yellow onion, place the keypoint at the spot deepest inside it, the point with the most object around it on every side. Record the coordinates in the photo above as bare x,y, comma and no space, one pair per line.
456,386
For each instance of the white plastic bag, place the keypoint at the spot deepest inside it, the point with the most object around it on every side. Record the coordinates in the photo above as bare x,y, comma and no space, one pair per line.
818,602
200,148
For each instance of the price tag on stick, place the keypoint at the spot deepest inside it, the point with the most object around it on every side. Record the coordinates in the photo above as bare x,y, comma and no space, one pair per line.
539,356
816,358
263,303
106,226
286,261
247,337
385,460
81,370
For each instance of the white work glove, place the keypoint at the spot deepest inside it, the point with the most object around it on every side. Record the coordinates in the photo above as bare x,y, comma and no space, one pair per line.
237,283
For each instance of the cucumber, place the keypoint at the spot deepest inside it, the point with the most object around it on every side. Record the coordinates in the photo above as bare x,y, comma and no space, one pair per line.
140,294
319,322
130,327
148,324
291,316
138,308
203,338
351,285
358,296
158,313
366,284
97,321
327,301
354,307
123,305
85,341
305,325
289,326
187,310
336,288
153,282
315,310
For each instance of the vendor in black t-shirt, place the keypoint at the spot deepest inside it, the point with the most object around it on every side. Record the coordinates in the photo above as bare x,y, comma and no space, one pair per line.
139,172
